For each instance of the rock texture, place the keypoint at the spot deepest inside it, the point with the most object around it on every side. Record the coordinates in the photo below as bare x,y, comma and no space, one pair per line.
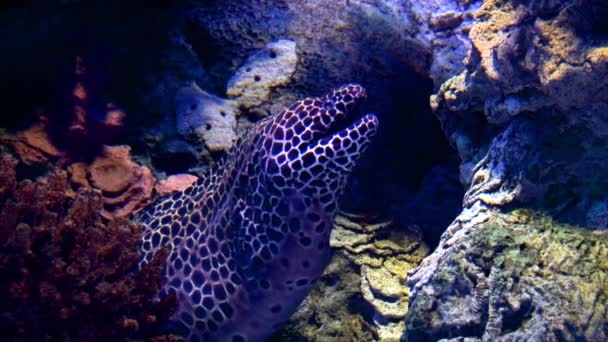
510,279
527,115
269,67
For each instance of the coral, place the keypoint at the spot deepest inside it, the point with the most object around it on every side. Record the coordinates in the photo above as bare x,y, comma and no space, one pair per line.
270,67
8,176
362,294
205,117
37,136
174,183
33,145
385,253
65,274
509,279
125,185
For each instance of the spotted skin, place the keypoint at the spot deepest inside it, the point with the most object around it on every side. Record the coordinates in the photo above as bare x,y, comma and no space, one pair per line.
247,242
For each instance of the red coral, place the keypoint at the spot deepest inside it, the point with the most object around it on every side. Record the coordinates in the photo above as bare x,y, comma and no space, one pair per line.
65,274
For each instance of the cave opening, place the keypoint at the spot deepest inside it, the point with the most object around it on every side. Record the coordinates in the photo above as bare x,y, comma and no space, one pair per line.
410,172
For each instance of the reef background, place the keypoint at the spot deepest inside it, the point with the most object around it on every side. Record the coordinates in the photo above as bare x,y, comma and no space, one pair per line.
480,208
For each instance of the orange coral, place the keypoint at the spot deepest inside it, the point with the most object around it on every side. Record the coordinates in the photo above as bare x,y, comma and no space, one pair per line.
175,183
33,145
125,185
64,273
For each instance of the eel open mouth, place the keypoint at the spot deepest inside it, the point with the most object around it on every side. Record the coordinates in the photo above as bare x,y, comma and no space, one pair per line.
345,132
345,115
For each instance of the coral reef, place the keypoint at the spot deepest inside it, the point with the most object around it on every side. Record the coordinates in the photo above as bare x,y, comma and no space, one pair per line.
510,278
362,294
66,274
125,185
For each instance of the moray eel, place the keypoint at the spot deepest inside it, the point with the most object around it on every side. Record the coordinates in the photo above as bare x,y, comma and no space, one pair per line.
248,241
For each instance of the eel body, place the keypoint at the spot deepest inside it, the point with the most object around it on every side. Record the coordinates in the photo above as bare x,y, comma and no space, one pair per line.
248,241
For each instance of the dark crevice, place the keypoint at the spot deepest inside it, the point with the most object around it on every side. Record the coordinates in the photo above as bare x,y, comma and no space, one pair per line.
410,172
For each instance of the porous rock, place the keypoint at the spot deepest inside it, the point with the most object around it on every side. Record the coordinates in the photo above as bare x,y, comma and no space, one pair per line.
206,118
268,68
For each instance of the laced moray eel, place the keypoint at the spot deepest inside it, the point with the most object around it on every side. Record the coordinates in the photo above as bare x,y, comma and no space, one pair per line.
247,242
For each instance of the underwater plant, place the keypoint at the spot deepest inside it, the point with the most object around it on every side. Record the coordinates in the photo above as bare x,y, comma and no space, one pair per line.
65,272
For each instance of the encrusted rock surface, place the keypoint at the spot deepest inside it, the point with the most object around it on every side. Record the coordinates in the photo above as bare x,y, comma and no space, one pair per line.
527,115
517,276
362,294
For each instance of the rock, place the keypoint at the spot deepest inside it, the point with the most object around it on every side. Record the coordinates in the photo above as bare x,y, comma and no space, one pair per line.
175,156
597,216
528,137
331,39
206,118
508,279
174,183
268,68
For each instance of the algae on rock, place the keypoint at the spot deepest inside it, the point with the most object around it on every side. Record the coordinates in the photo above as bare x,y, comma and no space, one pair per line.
511,279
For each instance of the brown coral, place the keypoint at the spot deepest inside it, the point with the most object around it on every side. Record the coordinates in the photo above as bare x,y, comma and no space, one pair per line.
64,273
